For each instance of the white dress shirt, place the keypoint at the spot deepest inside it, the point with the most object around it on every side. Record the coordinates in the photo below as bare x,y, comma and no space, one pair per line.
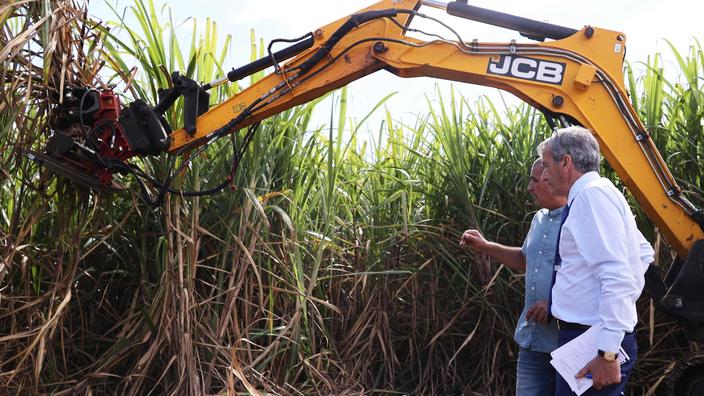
604,259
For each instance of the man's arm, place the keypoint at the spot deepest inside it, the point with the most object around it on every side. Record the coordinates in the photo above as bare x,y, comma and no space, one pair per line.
601,240
600,237
509,256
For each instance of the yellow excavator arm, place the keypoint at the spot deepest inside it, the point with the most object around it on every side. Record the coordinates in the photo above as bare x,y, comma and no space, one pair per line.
575,79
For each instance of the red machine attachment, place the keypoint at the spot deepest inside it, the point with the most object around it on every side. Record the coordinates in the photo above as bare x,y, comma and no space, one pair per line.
93,136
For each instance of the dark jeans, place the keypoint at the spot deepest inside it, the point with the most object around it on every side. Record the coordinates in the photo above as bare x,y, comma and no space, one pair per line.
535,374
628,344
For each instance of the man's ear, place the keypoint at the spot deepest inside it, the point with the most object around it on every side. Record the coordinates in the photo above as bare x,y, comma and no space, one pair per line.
567,161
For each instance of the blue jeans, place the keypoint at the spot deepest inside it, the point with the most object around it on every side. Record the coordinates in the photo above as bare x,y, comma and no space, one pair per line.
536,376
628,344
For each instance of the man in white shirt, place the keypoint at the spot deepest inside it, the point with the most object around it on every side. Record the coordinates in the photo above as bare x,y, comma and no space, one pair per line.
599,262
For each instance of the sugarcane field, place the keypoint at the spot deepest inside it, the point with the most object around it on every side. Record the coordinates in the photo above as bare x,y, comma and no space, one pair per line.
368,197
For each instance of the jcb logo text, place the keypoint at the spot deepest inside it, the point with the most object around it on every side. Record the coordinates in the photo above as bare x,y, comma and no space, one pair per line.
528,69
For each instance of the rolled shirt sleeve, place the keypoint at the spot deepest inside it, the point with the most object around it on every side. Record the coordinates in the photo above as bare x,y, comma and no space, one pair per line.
647,254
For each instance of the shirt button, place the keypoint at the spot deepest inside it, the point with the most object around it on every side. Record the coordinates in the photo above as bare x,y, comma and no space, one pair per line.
545,236
540,252
550,219
536,270
532,288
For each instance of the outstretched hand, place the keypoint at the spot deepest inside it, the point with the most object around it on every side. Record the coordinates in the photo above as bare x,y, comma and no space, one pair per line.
474,239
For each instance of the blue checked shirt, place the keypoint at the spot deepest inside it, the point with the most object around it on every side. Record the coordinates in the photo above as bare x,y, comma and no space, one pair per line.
539,251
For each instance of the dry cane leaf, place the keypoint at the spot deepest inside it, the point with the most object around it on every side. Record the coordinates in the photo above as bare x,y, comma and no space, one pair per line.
236,369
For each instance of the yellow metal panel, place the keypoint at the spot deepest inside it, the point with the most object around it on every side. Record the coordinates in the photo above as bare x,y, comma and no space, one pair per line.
584,77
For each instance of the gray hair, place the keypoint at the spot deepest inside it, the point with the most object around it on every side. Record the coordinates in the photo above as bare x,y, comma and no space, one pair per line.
578,143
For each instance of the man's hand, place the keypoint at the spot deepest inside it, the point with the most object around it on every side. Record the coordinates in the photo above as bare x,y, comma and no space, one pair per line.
509,256
604,373
538,312
474,239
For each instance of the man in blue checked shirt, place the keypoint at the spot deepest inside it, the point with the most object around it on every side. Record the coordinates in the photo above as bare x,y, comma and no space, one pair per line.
535,336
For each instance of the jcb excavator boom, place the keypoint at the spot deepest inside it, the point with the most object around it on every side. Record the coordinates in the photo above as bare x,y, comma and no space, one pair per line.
576,79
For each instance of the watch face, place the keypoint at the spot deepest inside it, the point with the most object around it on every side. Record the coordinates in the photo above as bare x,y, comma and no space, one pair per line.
610,356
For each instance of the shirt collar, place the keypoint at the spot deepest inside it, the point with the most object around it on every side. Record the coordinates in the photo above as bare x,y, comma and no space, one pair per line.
579,185
556,212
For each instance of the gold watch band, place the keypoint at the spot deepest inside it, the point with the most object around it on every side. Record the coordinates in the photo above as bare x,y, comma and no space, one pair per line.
608,356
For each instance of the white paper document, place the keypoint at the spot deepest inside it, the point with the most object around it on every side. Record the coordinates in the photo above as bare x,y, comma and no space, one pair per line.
573,356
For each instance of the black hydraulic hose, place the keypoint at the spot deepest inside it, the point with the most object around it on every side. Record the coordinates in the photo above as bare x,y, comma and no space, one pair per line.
353,22
273,56
263,63
527,27
289,52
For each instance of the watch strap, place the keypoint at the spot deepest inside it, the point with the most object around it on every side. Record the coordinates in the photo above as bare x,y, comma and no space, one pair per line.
608,356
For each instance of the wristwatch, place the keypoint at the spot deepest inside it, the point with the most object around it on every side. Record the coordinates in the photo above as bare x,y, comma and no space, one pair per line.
608,356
